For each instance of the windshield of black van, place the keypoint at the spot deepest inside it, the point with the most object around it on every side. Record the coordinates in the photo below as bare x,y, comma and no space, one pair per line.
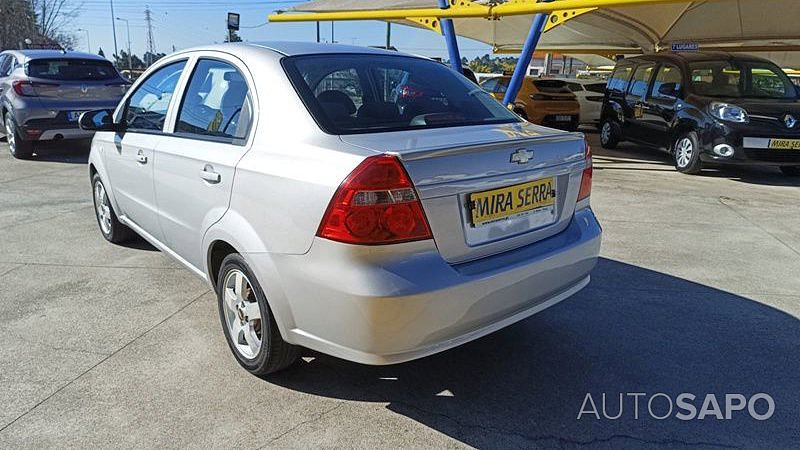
740,79
362,93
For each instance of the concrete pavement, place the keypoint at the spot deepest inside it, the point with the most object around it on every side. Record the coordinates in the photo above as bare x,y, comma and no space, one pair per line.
108,346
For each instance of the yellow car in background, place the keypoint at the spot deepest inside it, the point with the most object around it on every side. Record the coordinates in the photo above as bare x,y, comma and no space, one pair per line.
542,101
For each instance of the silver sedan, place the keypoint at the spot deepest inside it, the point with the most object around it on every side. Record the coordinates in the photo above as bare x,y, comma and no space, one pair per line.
367,204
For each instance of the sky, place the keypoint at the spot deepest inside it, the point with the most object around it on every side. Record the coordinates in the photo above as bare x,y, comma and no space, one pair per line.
187,23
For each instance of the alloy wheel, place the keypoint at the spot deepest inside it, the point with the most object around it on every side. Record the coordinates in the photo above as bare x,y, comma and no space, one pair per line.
103,208
11,138
242,314
605,133
684,150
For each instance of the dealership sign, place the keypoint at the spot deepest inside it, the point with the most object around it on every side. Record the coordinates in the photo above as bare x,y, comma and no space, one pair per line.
679,47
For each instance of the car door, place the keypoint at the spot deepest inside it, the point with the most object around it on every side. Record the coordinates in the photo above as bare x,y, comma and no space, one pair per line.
634,127
594,95
130,162
197,159
659,108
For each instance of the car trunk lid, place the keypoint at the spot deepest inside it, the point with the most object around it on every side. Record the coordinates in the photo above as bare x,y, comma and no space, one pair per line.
465,176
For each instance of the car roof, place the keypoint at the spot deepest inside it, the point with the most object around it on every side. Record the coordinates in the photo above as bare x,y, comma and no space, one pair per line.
688,57
289,48
27,55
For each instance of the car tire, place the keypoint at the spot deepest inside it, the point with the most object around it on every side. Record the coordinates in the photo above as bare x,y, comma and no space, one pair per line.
110,227
248,322
791,171
610,134
686,153
18,147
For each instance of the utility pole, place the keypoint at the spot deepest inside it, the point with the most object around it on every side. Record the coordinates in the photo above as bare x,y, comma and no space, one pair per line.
114,29
88,40
130,60
151,44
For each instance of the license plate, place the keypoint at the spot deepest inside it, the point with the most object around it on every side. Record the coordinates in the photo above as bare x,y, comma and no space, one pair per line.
563,118
784,144
73,116
502,203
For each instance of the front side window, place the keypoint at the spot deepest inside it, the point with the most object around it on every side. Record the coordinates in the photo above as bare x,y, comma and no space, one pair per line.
740,79
216,102
641,79
361,93
148,105
669,77
619,79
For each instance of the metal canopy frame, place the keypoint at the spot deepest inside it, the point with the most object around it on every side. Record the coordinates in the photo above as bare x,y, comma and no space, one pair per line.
548,14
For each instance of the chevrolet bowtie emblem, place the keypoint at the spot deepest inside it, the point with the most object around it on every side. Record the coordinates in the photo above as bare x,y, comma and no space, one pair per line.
522,156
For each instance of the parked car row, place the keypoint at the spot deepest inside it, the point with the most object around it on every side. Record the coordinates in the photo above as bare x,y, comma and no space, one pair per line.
43,93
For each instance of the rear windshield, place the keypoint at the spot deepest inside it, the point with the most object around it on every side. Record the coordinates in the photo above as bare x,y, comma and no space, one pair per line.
740,79
70,69
552,86
358,93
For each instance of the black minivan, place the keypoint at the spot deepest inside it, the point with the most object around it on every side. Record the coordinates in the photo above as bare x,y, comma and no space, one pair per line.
705,108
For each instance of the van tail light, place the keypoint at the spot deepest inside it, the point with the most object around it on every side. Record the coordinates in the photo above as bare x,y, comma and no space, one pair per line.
24,88
375,205
586,179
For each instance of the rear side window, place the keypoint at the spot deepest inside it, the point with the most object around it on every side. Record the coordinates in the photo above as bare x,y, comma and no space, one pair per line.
641,79
619,79
71,69
148,105
551,86
598,88
366,93
216,102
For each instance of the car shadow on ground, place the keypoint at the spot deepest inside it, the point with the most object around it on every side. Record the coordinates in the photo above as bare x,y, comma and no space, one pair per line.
633,157
67,152
632,330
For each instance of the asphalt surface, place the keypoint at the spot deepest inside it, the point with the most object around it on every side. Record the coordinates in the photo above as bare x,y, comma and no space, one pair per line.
698,292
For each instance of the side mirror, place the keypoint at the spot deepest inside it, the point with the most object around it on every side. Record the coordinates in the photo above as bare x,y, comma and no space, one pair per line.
98,120
668,89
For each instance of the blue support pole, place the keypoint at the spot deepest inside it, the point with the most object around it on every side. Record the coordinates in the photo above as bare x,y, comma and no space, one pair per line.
449,32
537,28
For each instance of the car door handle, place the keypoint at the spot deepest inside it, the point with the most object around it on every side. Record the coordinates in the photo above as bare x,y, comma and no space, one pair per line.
141,158
209,175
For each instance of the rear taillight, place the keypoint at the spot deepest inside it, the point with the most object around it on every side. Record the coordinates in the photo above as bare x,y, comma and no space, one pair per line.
586,179
24,88
375,205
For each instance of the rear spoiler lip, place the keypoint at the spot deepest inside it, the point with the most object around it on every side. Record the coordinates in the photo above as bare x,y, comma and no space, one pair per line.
480,146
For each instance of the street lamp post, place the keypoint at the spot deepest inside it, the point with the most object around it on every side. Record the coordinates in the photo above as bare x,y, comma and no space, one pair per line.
114,29
88,41
130,60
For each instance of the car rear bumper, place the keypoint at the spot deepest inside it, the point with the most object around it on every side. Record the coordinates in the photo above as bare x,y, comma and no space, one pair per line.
39,123
385,305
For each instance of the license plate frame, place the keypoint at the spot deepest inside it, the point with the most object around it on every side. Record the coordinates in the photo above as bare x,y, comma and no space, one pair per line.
784,144
526,198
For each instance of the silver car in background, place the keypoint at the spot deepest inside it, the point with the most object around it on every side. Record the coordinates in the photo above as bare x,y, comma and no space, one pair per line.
43,92
325,215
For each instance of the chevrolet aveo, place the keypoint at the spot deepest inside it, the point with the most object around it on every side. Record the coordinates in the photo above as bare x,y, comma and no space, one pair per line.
328,210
